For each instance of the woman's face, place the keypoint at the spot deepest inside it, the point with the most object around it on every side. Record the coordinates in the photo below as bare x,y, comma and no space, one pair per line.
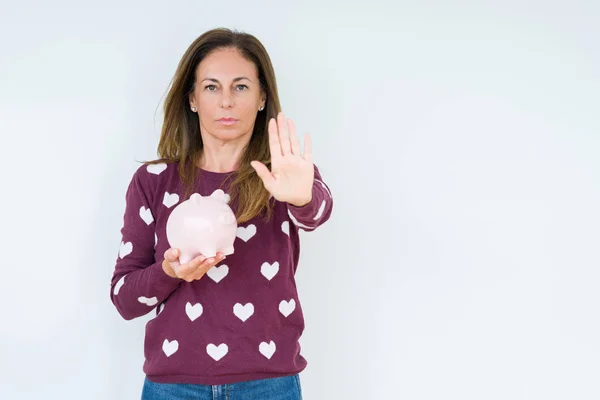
227,86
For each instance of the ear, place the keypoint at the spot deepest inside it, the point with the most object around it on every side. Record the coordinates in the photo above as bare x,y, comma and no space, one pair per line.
191,100
219,194
263,98
195,198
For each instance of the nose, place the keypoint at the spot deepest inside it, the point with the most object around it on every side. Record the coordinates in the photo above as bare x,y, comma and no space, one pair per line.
227,99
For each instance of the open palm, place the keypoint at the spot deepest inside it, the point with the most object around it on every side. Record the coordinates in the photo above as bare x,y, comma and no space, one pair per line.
292,173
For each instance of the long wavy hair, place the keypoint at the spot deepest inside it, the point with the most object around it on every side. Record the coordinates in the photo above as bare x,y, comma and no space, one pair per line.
180,139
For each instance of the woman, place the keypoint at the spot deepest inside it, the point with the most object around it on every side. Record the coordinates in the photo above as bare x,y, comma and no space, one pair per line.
230,326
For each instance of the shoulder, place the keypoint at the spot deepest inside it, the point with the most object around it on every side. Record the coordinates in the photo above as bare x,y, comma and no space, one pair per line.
155,170
152,175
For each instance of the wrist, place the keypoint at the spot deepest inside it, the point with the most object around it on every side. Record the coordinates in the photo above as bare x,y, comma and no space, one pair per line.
301,202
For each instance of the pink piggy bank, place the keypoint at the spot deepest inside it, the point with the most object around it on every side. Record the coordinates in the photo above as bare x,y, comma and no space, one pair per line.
202,226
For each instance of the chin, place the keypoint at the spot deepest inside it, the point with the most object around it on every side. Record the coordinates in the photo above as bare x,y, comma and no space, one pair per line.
228,134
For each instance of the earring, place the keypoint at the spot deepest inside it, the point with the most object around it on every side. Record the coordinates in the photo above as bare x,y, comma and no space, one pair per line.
261,108
194,109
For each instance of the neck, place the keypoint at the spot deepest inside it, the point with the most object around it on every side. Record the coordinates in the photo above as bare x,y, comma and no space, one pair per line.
221,156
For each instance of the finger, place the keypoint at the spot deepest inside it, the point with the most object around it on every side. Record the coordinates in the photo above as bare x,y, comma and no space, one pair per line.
263,172
206,265
184,270
274,145
284,135
212,261
171,254
307,148
197,275
200,270
172,257
294,141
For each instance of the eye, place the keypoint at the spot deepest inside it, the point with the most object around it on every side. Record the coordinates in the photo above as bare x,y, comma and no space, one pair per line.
226,218
240,88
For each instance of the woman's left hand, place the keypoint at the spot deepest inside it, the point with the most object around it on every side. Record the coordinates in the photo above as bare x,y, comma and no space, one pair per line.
292,173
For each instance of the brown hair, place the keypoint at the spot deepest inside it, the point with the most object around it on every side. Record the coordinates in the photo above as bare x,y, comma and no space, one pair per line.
180,139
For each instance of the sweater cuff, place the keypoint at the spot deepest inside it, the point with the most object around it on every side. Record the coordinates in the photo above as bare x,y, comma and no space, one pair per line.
308,210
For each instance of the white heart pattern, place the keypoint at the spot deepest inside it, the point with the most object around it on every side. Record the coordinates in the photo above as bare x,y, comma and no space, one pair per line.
170,347
324,187
269,270
267,349
295,221
152,301
119,285
193,311
285,227
243,312
170,199
286,308
320,212
146,215
217,352
217,273
156,169
246,233
125,249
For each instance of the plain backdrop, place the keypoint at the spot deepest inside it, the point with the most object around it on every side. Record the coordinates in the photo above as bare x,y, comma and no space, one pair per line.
461,141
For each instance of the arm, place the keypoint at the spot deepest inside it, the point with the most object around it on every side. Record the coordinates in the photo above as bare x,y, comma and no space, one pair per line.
317,211
138,283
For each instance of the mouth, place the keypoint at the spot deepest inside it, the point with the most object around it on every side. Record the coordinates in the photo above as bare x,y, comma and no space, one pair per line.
227,121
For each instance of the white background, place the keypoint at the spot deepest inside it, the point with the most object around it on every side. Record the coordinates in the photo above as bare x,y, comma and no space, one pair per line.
462,145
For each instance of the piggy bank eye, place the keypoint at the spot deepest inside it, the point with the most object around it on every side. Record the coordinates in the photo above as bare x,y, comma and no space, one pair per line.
226,218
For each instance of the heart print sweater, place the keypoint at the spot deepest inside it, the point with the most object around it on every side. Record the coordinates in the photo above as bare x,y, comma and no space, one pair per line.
242,320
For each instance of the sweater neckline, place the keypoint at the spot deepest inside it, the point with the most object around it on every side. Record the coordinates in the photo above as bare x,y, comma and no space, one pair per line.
214,175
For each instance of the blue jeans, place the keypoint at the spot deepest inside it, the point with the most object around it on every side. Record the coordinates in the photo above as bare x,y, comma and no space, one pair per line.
283,388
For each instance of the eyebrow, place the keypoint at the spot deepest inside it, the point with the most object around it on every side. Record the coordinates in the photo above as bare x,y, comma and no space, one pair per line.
239,78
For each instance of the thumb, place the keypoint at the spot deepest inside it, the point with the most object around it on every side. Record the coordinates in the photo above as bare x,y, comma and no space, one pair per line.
263,172
172,256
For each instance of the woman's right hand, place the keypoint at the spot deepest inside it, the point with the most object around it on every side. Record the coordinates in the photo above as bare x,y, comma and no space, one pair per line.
191,271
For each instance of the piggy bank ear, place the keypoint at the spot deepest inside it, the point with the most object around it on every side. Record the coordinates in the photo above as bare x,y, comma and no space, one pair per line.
220,195
195,198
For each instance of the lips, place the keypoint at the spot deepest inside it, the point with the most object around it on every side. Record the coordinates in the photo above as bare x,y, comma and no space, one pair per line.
228,121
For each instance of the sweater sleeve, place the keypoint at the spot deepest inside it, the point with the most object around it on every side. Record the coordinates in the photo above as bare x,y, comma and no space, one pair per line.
138,282
314,214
